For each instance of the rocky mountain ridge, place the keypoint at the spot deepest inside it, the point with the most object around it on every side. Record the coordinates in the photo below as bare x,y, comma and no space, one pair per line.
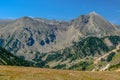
40,40
45,34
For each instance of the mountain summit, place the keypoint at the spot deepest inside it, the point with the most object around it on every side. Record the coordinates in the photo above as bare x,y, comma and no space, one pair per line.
94,24
93,13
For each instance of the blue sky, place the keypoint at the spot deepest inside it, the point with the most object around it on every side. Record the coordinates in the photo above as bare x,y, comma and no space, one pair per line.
59,9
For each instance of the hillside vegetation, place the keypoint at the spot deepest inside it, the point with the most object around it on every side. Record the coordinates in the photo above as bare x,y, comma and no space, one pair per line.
6,58
80,56
82,52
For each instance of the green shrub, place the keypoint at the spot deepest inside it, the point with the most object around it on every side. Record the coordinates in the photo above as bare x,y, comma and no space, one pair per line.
110,56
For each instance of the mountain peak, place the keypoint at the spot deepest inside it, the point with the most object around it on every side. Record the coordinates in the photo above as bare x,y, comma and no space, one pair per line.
26,17
93,13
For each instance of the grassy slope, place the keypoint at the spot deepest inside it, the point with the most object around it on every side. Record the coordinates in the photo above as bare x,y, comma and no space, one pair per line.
115,62
24,73
116,59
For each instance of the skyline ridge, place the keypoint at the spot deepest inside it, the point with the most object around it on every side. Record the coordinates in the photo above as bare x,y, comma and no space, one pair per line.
90,13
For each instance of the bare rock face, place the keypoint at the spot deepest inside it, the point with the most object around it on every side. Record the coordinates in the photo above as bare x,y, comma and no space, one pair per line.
118,26
94,24
27,36
30,35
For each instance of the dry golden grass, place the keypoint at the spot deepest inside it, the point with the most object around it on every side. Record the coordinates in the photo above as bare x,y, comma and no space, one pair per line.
28,73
